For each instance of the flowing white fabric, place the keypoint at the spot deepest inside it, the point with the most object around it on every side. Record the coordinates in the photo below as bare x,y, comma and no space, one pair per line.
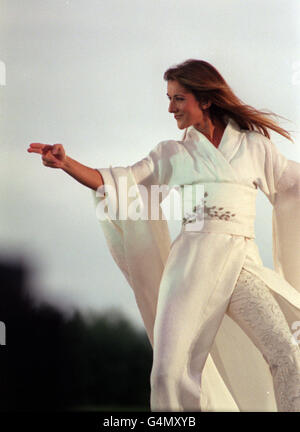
235,376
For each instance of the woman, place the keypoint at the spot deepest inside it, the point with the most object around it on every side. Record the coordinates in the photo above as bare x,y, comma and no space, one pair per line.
220,323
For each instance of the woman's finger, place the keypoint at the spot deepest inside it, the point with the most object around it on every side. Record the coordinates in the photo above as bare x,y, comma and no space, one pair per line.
50,164
37,145
57,149
38,148
47,147
49,161
48,158
32,150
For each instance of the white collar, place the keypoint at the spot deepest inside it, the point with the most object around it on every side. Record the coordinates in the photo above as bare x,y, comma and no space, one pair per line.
228,145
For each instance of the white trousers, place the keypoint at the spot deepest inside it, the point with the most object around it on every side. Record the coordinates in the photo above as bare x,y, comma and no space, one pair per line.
253,307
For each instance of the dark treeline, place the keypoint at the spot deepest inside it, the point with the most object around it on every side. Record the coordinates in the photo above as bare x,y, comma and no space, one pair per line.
52,363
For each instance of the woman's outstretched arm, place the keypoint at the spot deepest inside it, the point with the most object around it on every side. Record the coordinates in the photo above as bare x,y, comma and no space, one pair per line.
54,156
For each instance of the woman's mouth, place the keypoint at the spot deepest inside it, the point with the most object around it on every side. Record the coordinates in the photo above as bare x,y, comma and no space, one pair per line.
177,117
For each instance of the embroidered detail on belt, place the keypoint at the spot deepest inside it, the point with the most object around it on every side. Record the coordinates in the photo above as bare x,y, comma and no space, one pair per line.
211,213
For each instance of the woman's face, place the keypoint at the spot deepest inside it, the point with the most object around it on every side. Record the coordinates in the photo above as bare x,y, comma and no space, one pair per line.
184,106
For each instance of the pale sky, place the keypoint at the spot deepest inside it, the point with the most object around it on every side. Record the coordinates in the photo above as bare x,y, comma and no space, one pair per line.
89,75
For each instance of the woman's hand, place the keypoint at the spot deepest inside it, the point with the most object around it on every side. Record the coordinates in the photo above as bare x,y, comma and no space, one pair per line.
53,156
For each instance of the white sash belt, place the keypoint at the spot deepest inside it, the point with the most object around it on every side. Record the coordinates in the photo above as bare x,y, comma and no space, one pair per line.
226,208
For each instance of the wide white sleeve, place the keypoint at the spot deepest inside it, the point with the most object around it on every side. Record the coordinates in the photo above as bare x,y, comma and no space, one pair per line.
282,187
149,170
286,224
139,247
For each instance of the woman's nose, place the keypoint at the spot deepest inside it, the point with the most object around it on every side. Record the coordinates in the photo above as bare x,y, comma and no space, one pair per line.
171,107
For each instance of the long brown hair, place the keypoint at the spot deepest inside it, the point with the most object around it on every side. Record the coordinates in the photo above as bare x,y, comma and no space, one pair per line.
206,83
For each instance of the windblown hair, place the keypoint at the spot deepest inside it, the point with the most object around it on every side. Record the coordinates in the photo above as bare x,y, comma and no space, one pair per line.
206,83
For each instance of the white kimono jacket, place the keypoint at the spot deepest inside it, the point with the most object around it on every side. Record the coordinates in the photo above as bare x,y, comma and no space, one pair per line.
235,377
